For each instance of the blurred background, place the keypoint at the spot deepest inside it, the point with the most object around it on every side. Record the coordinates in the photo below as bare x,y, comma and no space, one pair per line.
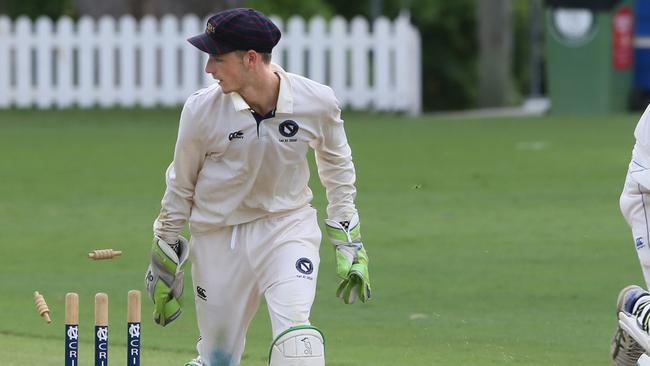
474,54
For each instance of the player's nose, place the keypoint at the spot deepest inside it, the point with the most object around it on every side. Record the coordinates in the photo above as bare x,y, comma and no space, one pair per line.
209,67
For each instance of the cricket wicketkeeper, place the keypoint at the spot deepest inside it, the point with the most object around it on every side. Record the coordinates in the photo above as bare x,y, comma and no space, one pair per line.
239,176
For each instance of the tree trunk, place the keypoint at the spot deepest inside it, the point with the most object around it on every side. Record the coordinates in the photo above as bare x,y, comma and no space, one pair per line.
495,52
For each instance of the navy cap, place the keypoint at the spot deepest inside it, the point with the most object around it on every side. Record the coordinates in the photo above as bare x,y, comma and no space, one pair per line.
237,29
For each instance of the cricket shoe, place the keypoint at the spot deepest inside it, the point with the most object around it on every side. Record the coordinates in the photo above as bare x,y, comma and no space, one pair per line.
625,350
195,362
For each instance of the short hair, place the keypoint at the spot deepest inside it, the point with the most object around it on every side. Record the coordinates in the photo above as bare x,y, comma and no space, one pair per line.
266,57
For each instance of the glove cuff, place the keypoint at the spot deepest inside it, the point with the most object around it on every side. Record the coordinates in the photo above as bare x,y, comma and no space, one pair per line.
178,261
344,231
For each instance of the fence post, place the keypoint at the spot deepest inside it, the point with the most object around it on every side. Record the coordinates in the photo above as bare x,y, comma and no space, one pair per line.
192,67
294,35
148,61
106,64
317,40
23,65
339,58
360,64
86,56
43,70
127,39
5,63
169,70
65,41
382,44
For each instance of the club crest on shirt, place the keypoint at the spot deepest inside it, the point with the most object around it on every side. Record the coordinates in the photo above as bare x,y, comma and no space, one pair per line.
305,266
288,129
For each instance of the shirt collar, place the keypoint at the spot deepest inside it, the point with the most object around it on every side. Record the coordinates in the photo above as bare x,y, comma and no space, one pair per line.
285,96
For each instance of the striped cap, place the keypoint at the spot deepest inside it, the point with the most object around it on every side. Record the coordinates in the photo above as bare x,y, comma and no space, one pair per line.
237,29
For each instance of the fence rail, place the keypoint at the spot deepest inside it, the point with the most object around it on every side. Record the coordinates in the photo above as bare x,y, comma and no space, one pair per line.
125,62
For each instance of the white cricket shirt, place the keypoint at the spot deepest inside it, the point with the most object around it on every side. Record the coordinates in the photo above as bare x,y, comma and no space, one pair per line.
229,170
641,152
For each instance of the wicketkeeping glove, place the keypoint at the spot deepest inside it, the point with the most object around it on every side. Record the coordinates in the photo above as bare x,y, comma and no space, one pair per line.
164,278
351,259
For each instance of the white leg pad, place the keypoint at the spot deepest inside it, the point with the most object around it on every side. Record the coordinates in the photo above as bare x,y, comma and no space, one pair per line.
298,346
629,323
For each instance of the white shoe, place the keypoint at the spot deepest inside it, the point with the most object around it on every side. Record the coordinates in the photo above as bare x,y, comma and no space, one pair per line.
195,362
625,351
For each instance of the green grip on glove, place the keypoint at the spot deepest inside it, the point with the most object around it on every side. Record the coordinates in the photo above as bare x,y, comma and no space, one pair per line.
166,307
351,260
164,279
356,284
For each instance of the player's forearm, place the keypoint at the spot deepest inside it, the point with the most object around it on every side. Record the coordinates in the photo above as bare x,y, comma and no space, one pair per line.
171,220
338,177
341,203
176,204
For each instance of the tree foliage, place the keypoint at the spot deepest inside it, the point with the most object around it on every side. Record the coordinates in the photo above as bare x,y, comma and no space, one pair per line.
449,46
287,8
36,8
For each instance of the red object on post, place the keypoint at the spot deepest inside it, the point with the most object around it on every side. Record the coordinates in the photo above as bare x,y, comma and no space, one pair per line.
623,38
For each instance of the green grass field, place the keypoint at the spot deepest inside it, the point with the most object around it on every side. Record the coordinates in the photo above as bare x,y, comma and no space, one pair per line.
492,242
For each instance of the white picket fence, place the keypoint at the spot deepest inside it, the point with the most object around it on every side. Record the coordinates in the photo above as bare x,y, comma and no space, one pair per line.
126,62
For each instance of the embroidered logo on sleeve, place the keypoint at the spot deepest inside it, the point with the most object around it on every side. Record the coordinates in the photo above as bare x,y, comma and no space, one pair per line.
639,242
236,135
201,293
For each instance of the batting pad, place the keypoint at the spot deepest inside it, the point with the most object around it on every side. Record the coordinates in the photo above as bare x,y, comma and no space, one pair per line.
302,345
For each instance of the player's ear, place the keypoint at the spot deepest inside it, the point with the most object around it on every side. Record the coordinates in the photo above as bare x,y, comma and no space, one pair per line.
250,58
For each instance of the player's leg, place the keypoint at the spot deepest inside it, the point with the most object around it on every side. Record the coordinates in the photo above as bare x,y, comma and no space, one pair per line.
289,301
634,319
625,350
633,202
226,297
288,271
635,207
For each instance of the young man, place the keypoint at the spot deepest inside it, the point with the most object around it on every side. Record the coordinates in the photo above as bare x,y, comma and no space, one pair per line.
240,175
634,206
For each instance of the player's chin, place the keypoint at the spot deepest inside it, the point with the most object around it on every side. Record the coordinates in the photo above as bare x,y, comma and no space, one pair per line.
224,89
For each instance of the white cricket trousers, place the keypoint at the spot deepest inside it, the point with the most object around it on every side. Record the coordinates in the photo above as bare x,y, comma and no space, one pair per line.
635,206
275,256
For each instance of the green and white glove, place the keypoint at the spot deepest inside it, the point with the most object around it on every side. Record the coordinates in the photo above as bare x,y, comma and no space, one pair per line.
351,259
164,278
